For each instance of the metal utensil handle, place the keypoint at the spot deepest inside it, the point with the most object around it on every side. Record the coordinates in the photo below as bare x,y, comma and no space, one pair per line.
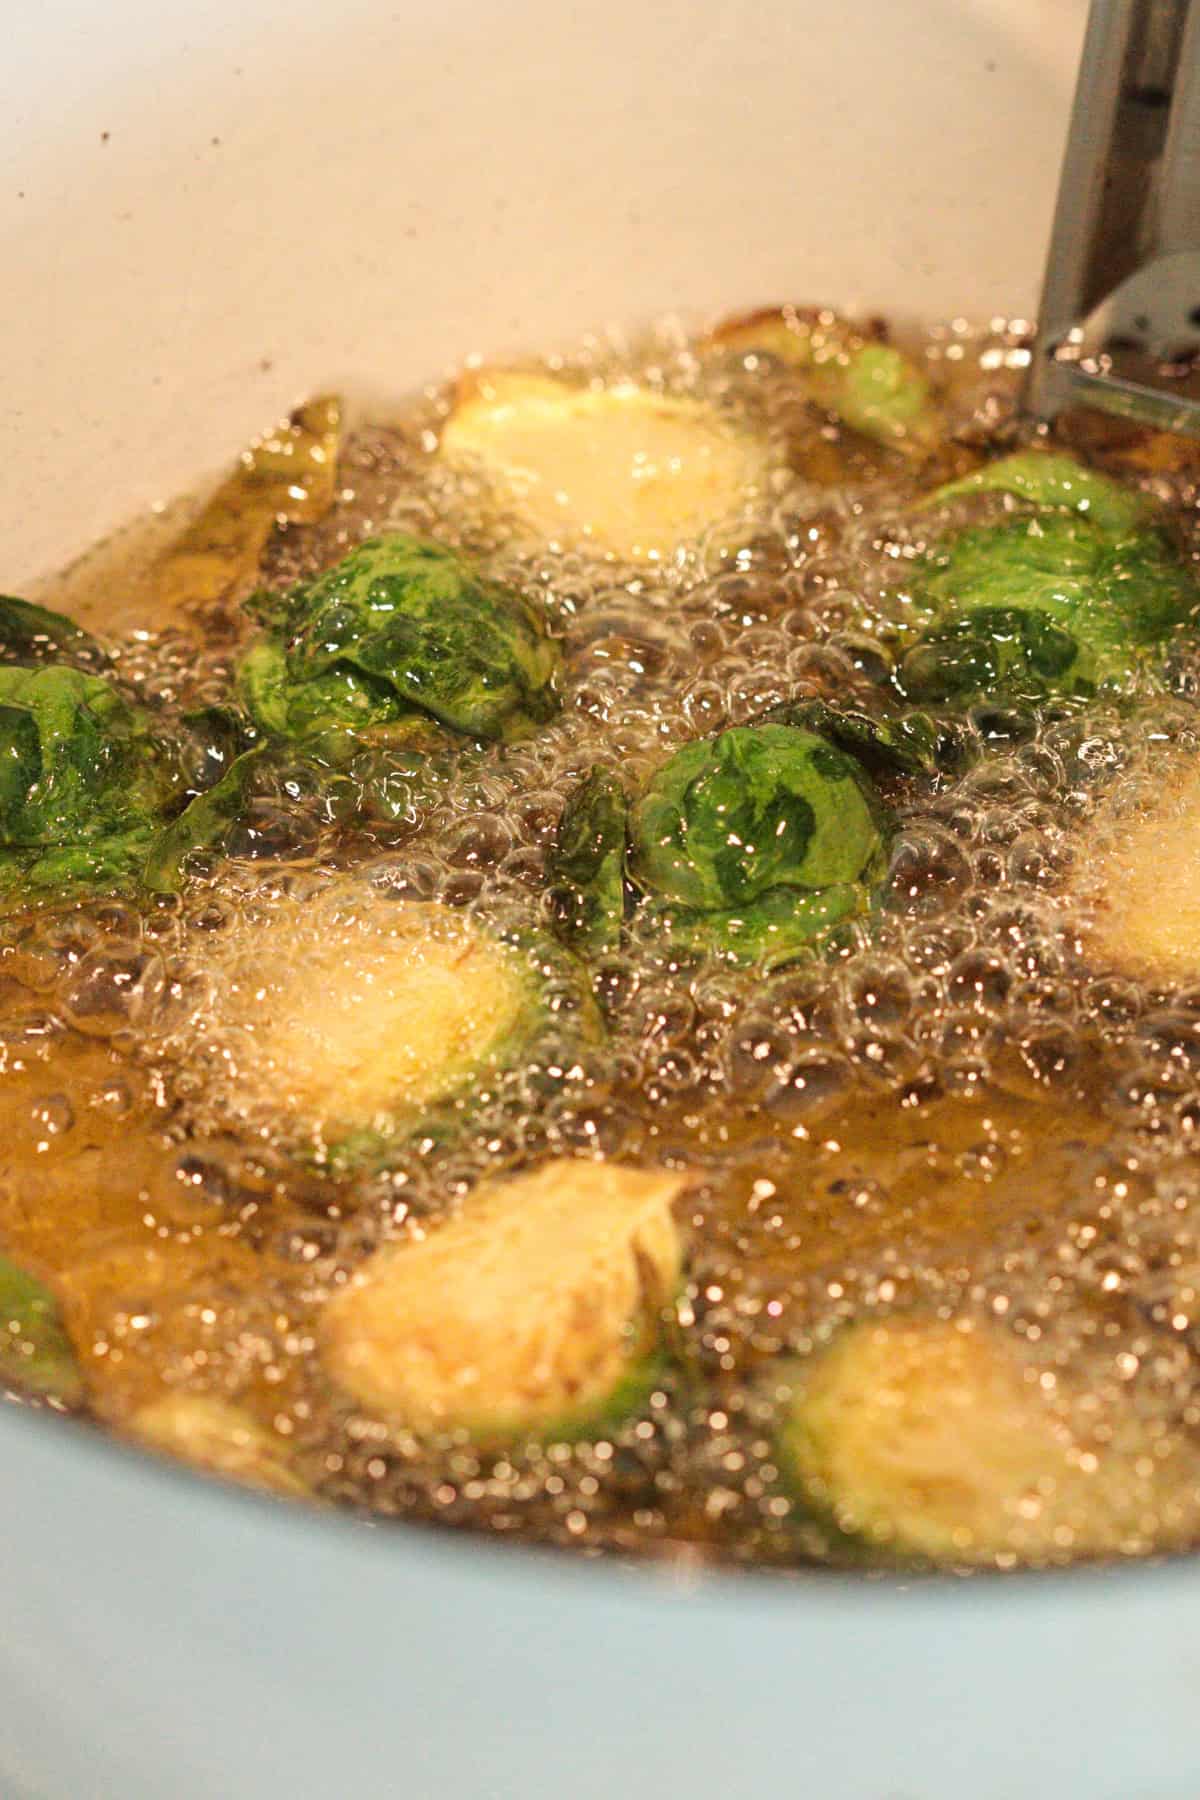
1120,313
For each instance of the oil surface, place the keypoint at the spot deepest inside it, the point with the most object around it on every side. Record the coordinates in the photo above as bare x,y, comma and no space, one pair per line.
956,1111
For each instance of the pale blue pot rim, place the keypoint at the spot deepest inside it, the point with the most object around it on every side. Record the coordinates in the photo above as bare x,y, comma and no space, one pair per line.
169,1635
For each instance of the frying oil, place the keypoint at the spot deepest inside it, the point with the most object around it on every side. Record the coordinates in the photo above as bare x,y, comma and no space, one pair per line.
953,1112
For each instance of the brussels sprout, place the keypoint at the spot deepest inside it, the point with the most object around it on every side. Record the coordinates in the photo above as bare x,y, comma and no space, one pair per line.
538,1312
289,474
926,1438
871,386
633,473
1137,875
35,1352
1048,479
85,790
758,840
398,633
218,1437
356,1020
588,863
1063,602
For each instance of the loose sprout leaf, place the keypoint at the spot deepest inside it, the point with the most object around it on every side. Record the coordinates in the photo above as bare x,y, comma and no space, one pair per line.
203,823
870,385
1046,478
35,1352
403,626
1048,605
588,863
754,808
632,473
212,739
221,1439
33,634
288,475
912,744
537,1312
926,1438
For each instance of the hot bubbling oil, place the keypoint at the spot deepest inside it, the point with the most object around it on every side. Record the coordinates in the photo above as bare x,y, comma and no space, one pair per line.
954,1111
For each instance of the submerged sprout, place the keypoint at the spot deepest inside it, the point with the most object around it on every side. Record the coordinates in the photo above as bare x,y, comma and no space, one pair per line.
359,1019
35,1352
756,841
588,863
927,1438
1075,598
399,633
221,1438
630,472
870,385
538,1312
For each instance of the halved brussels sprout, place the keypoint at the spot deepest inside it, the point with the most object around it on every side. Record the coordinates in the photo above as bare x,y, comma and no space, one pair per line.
35,1351
400,632
1137,873
537,1312
633,473
756,841
925,1437
220,1438
351,1020
870,385
1080,595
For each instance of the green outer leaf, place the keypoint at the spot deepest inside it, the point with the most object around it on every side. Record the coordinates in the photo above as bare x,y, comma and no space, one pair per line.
1029,607
35,1352
405,624
757,807
62,871
1049,479
337,701
779,926
588,861
34,634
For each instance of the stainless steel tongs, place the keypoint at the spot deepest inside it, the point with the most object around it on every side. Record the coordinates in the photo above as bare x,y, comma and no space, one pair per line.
1120,315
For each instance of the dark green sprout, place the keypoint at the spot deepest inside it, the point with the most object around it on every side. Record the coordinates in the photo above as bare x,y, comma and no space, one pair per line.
1079,597
587,864
93,798
756,842
397,634
35,1352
